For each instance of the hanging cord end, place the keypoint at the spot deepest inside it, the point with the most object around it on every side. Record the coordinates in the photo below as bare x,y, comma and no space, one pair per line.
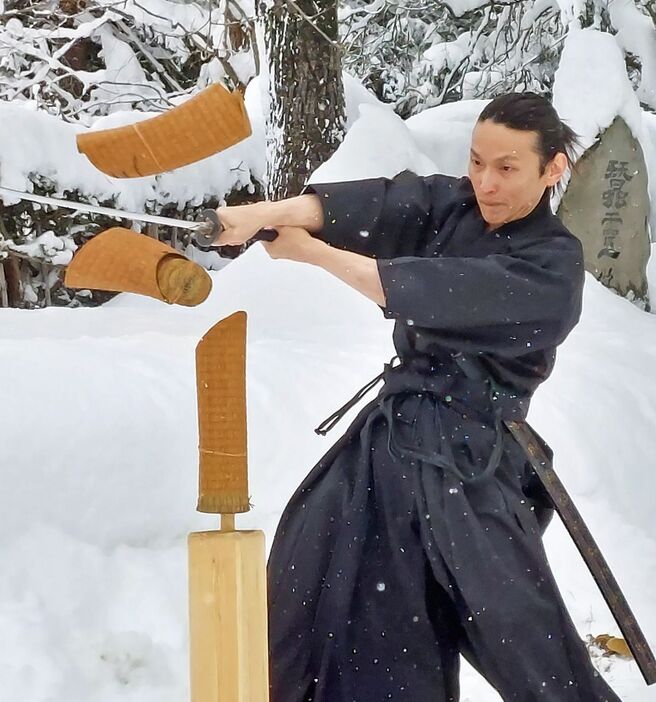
331,421
327,424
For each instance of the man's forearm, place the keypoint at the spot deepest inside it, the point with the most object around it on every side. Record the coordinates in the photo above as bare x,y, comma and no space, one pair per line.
301,211
360,272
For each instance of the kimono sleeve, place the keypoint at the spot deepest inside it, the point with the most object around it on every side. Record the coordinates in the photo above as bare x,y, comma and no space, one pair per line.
383,217
506,304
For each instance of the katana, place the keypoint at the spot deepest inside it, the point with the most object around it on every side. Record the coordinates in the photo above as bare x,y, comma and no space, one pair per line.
205,232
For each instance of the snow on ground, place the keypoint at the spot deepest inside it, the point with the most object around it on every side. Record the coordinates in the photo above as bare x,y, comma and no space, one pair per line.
99,466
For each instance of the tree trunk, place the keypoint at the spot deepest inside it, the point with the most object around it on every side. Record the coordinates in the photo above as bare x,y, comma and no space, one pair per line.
4,295
13,281
305,115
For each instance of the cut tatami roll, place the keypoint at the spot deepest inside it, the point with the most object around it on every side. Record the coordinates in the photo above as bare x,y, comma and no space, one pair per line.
221,389
211,121
120,260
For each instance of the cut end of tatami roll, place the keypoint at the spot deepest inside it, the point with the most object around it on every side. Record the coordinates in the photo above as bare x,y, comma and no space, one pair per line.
182,282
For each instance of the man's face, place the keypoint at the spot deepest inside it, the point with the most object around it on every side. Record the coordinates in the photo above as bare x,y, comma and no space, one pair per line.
504,168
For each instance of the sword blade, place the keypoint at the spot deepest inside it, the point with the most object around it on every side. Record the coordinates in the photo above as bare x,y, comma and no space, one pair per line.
96,209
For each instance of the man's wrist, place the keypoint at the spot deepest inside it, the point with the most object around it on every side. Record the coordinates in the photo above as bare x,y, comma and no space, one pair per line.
300,211
267,215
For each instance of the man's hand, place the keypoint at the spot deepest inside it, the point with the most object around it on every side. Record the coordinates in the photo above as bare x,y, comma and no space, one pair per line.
294,244
241,223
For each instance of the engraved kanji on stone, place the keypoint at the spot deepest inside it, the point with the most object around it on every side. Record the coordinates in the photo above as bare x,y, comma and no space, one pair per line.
612,218
614,198
618,169
608,251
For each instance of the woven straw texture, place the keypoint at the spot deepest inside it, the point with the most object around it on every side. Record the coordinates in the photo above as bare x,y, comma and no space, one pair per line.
221,388
211,121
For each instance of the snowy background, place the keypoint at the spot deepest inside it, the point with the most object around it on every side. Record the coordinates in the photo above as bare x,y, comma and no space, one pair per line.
98,458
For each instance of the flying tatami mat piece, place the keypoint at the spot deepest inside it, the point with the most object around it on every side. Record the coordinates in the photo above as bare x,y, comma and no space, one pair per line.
207,123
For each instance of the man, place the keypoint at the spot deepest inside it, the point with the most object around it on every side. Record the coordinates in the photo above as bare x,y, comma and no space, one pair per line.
417,537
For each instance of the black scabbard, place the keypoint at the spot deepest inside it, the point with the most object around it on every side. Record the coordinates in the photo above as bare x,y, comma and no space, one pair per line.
534,447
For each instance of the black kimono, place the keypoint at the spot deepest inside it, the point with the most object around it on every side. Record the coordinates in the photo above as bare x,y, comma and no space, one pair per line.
418,535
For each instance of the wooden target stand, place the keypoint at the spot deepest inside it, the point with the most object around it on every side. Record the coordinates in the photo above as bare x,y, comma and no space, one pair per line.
227,567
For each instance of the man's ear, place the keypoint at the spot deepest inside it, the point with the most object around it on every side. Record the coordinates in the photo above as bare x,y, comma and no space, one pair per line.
556,168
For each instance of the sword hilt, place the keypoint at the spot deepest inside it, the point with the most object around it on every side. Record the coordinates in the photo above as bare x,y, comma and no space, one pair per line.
210,228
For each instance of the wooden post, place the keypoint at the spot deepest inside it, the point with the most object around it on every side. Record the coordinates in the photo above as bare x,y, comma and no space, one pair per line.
227,567
228,617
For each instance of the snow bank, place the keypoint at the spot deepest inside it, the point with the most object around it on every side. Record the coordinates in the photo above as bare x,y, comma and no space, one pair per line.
99,465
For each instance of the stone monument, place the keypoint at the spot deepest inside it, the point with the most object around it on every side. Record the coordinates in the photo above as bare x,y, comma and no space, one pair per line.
607,206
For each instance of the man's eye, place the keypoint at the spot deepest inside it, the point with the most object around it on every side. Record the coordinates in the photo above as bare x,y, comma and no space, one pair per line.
508,169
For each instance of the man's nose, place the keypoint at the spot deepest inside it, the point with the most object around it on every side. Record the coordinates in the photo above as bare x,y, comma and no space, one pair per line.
487,181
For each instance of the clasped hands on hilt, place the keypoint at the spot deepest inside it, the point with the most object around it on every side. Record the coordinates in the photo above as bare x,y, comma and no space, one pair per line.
294,241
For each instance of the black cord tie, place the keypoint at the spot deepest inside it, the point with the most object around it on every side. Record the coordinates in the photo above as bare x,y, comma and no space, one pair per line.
331,421
474,383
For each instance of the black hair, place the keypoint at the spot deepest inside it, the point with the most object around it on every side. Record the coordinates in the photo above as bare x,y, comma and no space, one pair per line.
532,112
